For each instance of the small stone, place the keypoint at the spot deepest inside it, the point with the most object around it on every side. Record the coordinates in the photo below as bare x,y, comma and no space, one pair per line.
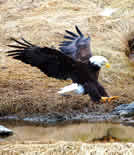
5,132
124,110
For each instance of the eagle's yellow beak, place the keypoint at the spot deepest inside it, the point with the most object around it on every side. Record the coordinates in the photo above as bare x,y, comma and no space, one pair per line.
107,65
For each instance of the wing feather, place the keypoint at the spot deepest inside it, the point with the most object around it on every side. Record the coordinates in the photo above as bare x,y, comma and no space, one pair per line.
71,33
27,42
78,30
14,46
68,37
18,42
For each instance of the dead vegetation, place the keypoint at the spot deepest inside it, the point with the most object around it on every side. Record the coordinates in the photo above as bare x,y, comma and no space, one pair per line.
26,90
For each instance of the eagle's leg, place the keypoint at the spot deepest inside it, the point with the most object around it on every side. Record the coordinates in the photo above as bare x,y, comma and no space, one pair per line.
108,99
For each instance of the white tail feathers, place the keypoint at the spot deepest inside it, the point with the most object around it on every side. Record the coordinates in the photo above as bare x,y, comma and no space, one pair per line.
68,88
73,87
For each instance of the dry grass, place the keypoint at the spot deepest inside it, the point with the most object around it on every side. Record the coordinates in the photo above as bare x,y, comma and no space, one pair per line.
25,89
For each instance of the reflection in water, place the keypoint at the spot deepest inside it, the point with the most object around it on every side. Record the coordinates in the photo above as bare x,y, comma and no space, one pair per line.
86,132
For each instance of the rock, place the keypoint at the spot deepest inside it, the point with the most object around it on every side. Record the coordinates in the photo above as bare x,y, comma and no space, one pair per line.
4,132
126,110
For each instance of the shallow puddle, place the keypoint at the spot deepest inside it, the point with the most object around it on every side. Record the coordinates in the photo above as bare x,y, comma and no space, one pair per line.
86,132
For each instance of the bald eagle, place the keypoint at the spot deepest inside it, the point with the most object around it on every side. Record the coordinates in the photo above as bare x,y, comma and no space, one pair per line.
56,64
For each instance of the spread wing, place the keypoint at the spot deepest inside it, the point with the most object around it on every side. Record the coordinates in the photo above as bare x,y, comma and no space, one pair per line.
77,46
50,61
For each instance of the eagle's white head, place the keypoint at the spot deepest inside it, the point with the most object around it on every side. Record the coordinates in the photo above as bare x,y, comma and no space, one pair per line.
99,61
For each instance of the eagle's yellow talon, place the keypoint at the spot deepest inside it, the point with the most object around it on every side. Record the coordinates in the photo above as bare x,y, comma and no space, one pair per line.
112,98
104,99
109,99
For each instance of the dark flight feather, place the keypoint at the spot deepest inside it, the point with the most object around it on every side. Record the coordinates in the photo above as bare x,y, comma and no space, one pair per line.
68,37
16,46
79,32
19,42
27,42
57,65
71,33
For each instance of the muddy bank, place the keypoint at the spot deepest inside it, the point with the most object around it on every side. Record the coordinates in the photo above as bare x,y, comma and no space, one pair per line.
55,118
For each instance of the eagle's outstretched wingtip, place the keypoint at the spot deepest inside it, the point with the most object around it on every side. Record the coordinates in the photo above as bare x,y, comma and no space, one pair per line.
22,42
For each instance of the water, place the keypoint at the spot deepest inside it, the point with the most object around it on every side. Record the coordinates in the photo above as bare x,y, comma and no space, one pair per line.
85,132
